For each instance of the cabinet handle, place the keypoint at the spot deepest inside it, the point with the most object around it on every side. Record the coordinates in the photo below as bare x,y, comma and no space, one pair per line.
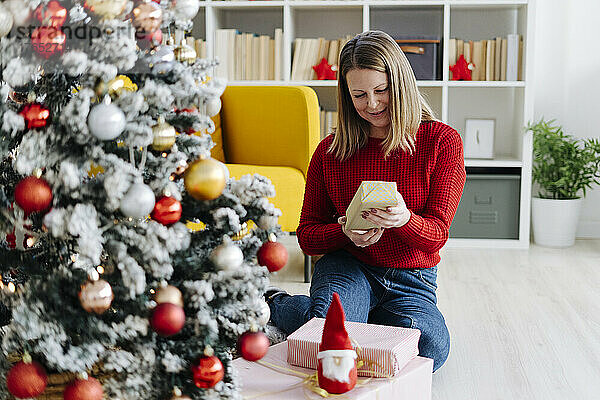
479,200
413,49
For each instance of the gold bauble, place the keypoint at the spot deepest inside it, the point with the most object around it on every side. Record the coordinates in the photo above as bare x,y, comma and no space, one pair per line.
205,179
115,86
107,9
185,53
163,135
96,296
169,294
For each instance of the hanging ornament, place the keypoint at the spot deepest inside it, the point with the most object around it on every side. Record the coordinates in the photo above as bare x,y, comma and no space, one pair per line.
138,202
227,256
272,255
324,70
167,211
33,194
48,41
208,370
148,40
36,115
106,121
161,54
186,9
26,379
84,389
107,9
51,14
242,233
169,294
147,17
264,312
96,295
185,53
19,10
204,179
116,86
163,135
167,319
253,345
22,97
177,395
6,20
213,106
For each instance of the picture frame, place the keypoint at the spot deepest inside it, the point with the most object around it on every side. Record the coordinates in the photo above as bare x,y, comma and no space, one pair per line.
479,138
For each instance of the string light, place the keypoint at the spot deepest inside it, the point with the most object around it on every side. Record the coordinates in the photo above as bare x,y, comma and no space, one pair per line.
100,269
30,242
164,155
11,287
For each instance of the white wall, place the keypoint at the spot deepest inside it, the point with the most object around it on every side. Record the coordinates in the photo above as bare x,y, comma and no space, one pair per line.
567,79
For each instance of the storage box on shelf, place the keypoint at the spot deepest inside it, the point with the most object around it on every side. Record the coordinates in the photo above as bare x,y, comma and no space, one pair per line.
508,102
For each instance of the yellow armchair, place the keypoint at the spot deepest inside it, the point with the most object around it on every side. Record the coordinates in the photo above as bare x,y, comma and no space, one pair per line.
272,131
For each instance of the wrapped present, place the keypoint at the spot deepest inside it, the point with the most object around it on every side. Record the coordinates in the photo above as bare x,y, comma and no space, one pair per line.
384,350
272,378
370,194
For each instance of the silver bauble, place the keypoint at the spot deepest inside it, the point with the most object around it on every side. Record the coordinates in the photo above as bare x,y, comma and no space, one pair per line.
213,106
264,312
6,20
19,10
138,202
162,53
186,9
106,121
227,256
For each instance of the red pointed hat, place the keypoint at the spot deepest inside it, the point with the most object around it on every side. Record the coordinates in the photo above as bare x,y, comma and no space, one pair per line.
335,336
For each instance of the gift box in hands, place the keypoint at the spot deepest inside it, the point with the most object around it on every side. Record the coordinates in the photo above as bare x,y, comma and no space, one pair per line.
370,194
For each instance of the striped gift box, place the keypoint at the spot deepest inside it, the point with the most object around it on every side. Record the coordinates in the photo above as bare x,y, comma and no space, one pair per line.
387,349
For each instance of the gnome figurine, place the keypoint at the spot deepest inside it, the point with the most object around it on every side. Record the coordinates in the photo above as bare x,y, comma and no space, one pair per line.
336,358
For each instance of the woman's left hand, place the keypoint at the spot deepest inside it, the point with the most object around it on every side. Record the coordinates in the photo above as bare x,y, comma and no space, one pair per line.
392,217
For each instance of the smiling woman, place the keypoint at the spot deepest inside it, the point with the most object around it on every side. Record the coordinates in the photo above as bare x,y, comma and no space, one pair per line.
385,132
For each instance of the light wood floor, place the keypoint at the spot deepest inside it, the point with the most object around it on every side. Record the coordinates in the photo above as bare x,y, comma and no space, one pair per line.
525,324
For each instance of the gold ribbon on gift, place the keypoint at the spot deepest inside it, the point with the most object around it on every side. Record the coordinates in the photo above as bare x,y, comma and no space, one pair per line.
311,381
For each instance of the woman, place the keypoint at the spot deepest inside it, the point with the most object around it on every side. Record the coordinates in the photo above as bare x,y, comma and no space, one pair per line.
385,132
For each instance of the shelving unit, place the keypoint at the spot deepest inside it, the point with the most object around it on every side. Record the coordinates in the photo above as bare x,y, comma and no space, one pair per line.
510,103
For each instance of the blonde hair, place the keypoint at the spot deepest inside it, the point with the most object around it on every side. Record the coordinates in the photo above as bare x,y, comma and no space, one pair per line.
376,50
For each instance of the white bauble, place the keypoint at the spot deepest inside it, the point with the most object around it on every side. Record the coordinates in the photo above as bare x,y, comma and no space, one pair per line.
186,9
6,20
264,313
267,222
213,106
19,10
138,202
227,256
106,121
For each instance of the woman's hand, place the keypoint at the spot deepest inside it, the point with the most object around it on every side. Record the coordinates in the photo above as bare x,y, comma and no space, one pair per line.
392,217
361,238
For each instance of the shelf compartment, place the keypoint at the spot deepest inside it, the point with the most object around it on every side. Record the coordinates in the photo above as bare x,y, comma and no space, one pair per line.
331,23
479,22
261,21
413,20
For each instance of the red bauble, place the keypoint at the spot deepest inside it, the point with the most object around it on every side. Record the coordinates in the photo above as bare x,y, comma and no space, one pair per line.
25,380
51,14
253,345
150,40
167,211
167,319
272,255
36,115
207,372
33,194
84,389
48,41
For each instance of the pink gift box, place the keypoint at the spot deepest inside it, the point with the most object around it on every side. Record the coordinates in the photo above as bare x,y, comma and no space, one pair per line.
388,348
264,382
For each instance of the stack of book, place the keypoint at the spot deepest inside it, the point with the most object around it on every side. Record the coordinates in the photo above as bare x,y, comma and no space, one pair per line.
328,121
199,45
309,52
248,56
498,59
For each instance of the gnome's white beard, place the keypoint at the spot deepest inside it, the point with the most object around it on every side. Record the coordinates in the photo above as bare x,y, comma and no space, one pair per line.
337,364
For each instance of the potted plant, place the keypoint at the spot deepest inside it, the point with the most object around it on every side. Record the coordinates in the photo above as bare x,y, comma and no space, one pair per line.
563,169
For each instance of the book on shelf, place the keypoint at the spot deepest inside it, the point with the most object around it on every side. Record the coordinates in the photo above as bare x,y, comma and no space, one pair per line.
248,56
497,59
310,51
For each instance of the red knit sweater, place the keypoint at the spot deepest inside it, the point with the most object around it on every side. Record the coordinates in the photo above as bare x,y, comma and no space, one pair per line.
431,182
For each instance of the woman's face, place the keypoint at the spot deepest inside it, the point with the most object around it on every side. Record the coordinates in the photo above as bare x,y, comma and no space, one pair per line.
370,94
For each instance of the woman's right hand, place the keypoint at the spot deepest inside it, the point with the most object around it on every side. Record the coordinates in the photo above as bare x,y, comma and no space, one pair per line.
361,238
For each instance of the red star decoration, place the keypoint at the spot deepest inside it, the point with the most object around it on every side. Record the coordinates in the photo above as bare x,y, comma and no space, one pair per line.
461,71
324,70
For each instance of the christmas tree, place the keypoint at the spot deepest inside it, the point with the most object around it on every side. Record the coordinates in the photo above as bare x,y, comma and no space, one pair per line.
127,270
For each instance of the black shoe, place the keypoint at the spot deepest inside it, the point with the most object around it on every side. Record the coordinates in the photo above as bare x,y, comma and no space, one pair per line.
273,292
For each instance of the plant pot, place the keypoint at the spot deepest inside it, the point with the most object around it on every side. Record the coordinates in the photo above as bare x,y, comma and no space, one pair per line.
554,222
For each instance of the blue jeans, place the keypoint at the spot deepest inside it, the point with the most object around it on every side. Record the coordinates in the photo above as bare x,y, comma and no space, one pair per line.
383,296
